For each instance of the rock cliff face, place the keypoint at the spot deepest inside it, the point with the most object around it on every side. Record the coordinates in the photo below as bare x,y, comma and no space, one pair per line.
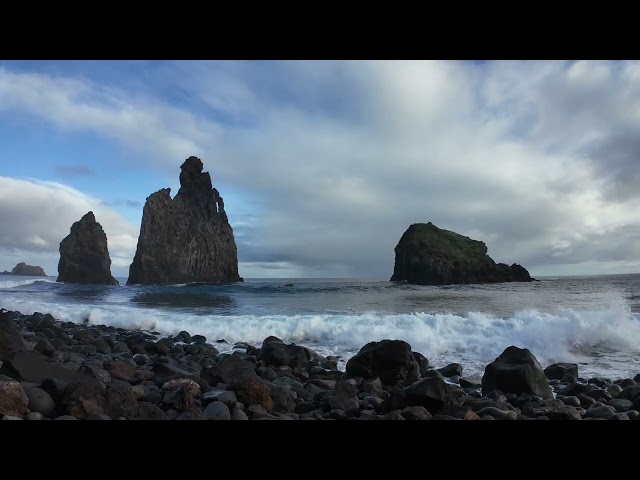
24,269
428,255
187,239
84,256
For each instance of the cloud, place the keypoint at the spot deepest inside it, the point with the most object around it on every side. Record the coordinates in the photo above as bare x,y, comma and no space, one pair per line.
334,160
36,215
75,170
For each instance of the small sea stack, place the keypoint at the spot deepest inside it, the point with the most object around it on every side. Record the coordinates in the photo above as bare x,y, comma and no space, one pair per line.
26,270
84,256
188,238
428,255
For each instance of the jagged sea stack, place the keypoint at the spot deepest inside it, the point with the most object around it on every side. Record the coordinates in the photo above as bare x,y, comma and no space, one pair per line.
188,238
84,256
428,255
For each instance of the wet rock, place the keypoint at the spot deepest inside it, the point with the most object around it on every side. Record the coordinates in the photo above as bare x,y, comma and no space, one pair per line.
451,370
558,370
517,371
390,360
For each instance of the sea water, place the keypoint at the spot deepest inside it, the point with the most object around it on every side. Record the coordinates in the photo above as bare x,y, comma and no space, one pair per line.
592,320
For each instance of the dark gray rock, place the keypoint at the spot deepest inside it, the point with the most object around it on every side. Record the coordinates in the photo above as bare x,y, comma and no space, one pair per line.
40,401
84,256
187,238
559,370
238,415
630,393
517,371
217,411
599,395
390,360
422,361
428,255
431,393
451,370
600,412
227,397
552,409
620,404
471,382
276,353
229,369
571,401
497,414
283,398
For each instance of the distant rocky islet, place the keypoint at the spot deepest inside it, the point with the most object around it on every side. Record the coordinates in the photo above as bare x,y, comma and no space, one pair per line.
428,255
25,270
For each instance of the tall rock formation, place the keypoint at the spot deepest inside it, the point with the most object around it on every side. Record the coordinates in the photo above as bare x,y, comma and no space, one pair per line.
187,239
428,255
84,256
28,270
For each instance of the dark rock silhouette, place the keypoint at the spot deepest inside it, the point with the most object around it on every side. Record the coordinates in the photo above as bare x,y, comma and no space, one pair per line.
517,371
84,256
188,238
428,255
28,270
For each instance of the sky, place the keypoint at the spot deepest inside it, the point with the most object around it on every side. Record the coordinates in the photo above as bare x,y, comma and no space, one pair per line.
324,164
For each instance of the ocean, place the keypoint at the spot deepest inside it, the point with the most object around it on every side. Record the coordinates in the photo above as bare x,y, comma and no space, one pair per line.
590,320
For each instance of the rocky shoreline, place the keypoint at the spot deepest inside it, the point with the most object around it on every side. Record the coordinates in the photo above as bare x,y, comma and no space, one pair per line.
57,370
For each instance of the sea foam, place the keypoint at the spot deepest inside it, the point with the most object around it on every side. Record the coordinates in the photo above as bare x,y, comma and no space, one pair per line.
473,339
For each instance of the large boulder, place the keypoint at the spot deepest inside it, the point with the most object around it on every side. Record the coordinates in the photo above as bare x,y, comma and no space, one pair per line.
275,352
84,256
230,369
517,371
390,360
428,255
187,238
432,393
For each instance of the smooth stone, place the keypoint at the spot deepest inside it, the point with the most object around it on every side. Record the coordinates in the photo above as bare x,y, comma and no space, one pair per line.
34,416
618,416
11,417
238,415
217,411
498,414
40,401
571,401
600,412
65,417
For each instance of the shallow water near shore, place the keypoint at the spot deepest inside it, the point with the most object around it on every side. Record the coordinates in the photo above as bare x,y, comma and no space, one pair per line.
593,321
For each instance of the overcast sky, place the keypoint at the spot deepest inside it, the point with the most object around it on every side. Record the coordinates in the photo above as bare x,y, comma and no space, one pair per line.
323,165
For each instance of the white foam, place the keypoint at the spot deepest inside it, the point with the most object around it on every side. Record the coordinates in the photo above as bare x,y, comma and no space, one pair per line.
18,283
607,342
